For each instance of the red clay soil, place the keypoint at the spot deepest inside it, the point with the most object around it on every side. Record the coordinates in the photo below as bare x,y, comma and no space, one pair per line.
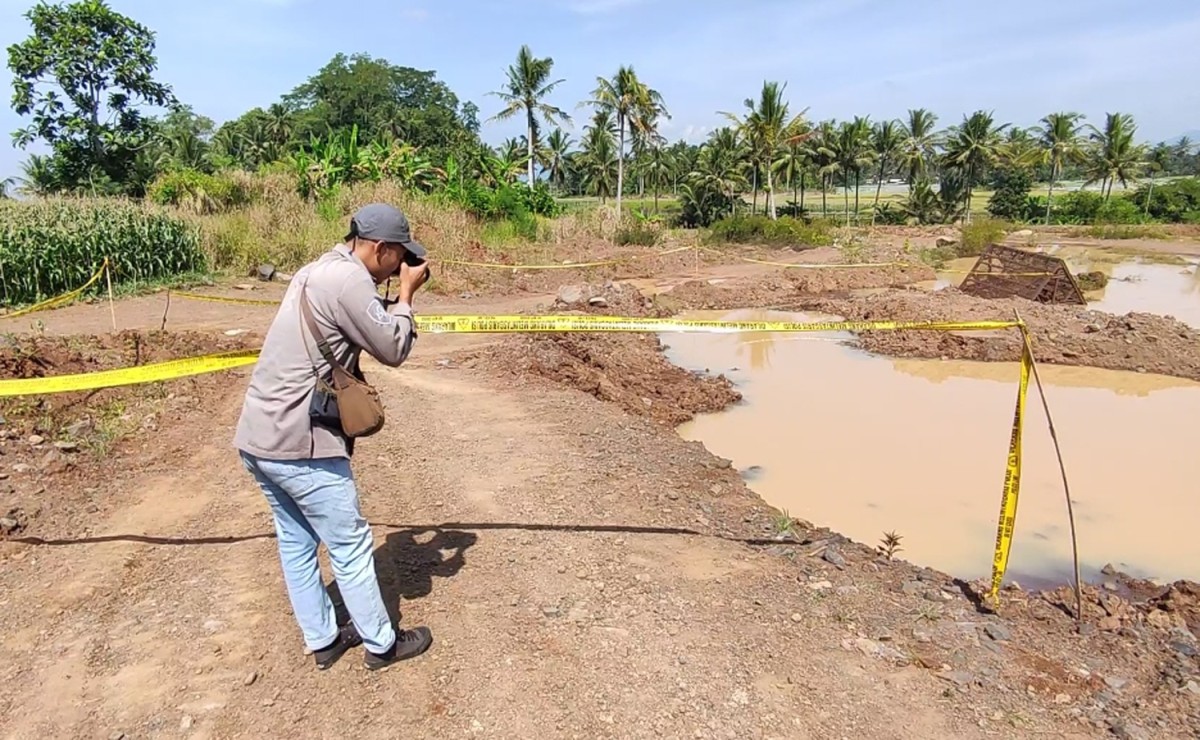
1063,335
629,370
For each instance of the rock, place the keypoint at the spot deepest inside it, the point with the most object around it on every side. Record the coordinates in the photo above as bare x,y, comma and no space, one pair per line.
598,301
1022,234
1109,624
36,439
912,588
1192,687
22,468
66,446
958,678
266,272
1093,329
250,678
551,611
569,294
1086,629
8,525
79,428
835,558
1062,698
797,617
185,724
1184,649
117,736
244,286
1129,731
997,632
820,585
1115,683
946,241
1162,620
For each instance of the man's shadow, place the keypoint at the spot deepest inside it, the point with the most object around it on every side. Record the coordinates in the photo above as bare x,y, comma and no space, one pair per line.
406,564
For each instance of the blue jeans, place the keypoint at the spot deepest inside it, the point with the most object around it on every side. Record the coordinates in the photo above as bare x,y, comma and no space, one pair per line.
315,501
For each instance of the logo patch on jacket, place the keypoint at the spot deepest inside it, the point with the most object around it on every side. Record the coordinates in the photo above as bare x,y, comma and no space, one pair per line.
379,314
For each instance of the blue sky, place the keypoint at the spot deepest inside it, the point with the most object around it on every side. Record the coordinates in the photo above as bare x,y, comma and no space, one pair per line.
1020,58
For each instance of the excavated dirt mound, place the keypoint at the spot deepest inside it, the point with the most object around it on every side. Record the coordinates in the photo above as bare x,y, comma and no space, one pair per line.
610,298
626,369
53,447
1065,335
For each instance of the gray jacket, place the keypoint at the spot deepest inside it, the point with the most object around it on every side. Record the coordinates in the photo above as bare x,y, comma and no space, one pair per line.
275,422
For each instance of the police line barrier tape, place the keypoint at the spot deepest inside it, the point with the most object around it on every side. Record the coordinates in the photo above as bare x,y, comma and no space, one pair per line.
60,299
185,367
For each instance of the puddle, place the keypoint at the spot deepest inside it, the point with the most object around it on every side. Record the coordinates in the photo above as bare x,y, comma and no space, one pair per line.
1165,288
866,444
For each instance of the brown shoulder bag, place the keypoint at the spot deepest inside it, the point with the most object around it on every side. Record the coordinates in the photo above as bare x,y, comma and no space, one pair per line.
347,403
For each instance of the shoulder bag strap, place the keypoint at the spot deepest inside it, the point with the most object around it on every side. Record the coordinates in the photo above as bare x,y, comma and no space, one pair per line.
315,330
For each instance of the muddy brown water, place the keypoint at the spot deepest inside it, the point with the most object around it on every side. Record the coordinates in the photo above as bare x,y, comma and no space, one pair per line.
1144,283
866,444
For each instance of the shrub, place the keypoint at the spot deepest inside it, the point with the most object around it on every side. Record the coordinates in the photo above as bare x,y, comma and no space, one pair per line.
197,192
640,233
1120,210
1010,201
1170,201
783,231
977,235
48,248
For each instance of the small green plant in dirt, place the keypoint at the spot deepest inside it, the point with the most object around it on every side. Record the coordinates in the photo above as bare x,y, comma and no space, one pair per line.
890,544
783,524
50,247
110,422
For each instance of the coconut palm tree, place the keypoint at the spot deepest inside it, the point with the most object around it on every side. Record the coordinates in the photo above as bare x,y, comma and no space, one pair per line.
634,106
526,91
972,146
597,160
768,125
920,144
554,157
1114,155
1158,160
827,159
1061,141
887,140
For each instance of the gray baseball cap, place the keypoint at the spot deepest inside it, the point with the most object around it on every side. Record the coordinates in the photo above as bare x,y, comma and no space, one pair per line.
379,221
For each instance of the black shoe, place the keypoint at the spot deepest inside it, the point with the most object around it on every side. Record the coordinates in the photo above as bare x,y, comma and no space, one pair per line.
347,638
409,644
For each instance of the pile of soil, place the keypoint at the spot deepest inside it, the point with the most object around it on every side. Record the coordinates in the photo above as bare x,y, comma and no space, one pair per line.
1065,335
626,369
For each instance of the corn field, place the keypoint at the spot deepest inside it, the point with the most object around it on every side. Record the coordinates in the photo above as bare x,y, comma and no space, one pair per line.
50,247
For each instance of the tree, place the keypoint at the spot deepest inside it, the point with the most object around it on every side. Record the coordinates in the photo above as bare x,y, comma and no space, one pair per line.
525,91
555,157
886,140
1060,140
767,125
83,76
973,146
377,96
919,147
1114,154
633,104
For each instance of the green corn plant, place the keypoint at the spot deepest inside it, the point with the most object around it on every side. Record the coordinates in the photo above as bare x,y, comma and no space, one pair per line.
51,247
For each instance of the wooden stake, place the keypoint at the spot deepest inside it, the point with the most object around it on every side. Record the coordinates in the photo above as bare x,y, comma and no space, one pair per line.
1061,467
112,306
165,311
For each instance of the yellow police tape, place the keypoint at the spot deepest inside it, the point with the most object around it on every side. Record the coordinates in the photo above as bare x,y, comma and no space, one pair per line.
567,323
1007,522
224,299
60,299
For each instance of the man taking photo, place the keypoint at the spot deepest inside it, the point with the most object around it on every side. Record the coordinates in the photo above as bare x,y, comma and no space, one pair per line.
301,460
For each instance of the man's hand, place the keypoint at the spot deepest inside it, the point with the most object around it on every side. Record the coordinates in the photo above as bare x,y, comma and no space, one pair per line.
411,279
